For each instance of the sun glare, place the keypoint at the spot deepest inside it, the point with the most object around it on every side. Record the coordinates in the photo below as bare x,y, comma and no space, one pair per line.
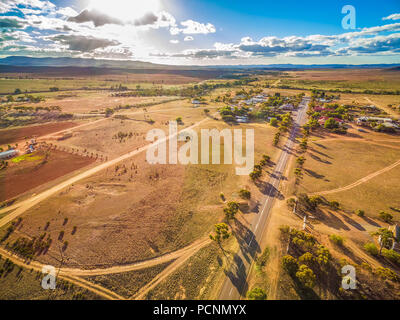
125,10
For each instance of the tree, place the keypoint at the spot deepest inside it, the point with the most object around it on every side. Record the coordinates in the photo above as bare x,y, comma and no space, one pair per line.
273,122
221,233
290,264
334,205
109,112
307,259
266,157
257,294
331,123
338,240
17,91
360,213
391,255
298,173
306,276
231,210
300,160
385,238
276,138
323,255
245,194
387,217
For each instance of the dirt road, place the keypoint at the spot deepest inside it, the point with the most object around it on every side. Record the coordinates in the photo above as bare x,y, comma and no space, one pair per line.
23,206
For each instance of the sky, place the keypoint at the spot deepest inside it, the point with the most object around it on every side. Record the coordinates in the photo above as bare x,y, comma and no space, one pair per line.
204,32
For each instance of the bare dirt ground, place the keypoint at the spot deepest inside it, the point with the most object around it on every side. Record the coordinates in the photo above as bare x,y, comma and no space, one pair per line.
26,175
24,133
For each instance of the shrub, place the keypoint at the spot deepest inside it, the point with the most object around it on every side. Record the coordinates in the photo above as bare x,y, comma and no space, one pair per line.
290,264
245,194
387,217
306,276
284,229
386,273
360,213
338,240
257,294
371,248
391,255
266,157
334,205
179,120
291,202
262,260
366,266
307,259
273,122
323,255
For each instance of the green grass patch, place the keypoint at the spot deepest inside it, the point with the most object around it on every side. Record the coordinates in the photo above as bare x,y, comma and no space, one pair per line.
27,157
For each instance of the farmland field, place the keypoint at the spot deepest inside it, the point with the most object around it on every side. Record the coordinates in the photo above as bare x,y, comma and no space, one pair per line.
126,212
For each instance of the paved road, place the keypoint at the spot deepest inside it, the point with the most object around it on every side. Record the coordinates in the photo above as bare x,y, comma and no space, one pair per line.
235,284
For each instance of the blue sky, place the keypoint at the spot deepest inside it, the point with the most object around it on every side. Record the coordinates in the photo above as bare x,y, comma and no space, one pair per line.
202,31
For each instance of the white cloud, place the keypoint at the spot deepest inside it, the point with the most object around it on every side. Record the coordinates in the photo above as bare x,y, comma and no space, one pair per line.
394,16
188,38
193,27
67,12
174,41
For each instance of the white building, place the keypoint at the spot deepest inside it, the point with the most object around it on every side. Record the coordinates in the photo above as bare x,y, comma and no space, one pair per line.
8,154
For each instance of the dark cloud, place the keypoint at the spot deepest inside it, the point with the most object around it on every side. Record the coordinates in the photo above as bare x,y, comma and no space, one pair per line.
82,43
98,18
200,54
148,18
10,23
387,44
275,47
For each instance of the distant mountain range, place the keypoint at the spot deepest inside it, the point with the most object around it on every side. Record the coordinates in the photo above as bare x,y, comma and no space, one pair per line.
22,61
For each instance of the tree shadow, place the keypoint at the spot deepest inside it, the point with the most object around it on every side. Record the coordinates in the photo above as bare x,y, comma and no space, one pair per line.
321,153
317,158
352,222
248,249
314,174
372,222
330,220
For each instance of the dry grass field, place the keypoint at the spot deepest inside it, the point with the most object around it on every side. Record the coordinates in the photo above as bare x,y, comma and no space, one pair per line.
378,194
93,101
333,164
135,210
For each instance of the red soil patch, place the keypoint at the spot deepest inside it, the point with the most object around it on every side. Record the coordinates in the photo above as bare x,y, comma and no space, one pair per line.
18,134
26,175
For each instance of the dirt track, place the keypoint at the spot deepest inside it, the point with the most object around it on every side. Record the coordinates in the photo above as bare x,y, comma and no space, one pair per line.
23,206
